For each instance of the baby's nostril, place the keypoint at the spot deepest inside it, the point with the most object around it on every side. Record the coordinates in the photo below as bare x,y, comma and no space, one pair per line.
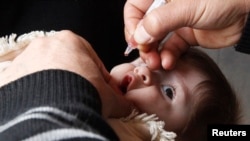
144,77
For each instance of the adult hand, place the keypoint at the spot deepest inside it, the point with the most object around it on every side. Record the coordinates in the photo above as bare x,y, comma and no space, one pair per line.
67,51
207,23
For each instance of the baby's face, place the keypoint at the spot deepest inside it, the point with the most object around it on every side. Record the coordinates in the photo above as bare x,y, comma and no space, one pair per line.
168,94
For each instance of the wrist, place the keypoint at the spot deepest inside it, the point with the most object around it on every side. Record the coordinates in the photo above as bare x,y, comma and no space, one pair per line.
247,5
244,42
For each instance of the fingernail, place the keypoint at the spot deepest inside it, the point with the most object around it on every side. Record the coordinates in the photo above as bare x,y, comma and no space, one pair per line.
141,36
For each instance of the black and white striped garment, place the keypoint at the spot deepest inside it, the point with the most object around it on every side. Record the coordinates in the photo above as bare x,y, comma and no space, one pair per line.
52,105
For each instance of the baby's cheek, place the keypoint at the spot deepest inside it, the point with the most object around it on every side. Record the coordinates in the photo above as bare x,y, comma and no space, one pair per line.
145,98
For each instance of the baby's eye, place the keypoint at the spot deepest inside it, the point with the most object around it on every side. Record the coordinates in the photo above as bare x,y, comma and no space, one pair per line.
168,91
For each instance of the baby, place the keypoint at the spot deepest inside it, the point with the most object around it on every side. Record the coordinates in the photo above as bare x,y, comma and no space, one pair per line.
188,98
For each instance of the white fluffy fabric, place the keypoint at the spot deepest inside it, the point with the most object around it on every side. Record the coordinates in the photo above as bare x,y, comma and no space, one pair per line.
11,45
12,42
141,127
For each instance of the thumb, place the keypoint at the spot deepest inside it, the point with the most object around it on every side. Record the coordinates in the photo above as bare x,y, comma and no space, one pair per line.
162,20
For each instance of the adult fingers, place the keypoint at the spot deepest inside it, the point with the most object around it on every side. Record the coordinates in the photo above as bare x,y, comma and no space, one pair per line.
175,46
134,11
151,58
169,17
96,59
170,51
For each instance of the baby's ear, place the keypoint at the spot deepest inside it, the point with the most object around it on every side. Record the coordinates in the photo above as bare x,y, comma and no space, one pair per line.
138,62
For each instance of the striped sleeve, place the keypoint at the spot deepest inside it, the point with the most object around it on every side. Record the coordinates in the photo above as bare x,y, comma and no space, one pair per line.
52,105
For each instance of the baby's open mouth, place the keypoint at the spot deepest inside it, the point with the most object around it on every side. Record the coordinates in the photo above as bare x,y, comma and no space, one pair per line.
125,83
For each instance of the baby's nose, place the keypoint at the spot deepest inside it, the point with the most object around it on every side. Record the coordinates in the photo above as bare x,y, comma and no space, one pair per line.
144,73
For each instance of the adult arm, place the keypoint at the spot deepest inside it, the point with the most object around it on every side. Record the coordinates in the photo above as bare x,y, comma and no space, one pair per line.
56,84
52,105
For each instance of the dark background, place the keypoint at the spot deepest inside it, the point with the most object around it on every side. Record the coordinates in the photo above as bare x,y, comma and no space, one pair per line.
98,21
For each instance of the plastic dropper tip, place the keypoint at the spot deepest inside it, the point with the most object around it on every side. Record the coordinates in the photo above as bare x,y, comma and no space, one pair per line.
128,50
